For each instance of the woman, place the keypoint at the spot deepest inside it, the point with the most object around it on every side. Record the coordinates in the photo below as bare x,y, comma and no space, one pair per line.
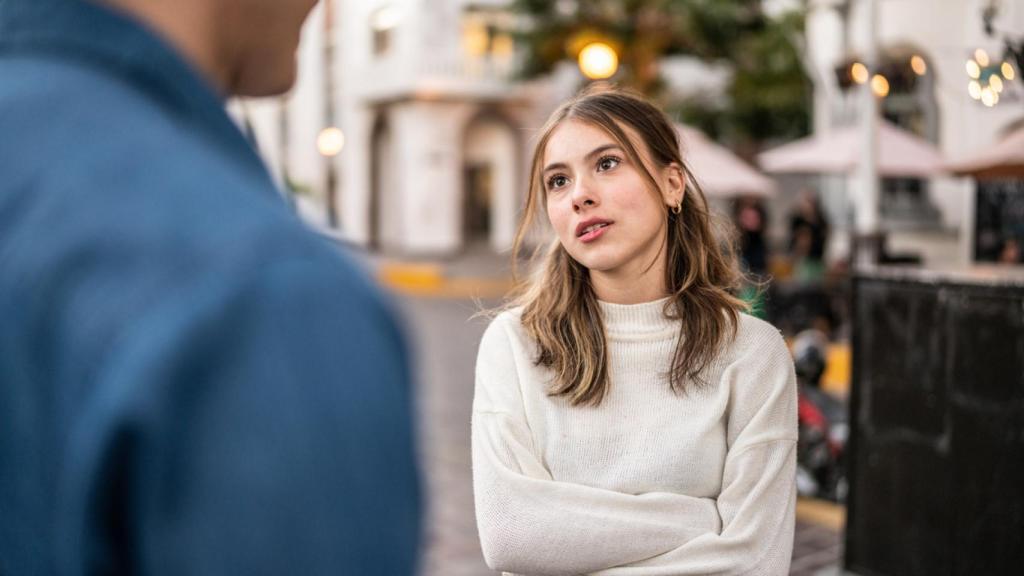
628,417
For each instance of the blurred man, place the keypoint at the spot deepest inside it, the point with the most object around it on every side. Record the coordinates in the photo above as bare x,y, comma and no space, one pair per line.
190,382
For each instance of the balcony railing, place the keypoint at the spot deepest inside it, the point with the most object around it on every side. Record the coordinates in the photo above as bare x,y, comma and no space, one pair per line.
461,75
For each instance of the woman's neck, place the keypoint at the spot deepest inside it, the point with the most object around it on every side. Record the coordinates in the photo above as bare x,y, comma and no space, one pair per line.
623,287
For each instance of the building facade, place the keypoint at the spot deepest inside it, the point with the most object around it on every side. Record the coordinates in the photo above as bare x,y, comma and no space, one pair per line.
923,46
437,133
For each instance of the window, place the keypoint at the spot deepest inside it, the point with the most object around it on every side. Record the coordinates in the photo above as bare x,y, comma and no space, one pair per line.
487,34
910,105
383,22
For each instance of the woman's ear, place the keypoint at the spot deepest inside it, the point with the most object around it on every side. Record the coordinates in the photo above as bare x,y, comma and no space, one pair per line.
674,184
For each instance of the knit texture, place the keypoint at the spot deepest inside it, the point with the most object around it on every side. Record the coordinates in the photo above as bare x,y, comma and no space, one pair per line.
651,482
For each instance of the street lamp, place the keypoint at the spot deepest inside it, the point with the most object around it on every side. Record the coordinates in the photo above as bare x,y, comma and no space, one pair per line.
1013,47
598,61
989,78
330,142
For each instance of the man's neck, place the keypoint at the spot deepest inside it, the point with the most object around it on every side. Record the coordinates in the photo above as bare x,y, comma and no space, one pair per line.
186,26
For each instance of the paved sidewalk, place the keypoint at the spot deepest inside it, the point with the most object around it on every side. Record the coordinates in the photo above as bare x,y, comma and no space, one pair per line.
477,272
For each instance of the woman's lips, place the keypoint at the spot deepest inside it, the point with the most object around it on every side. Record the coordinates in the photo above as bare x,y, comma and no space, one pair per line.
594,234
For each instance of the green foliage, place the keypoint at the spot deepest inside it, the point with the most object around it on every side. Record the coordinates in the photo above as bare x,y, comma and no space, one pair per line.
768,97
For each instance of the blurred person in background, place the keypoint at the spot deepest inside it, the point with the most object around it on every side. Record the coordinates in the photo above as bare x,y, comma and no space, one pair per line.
191,382
1010,253
629,418
751,222
808,235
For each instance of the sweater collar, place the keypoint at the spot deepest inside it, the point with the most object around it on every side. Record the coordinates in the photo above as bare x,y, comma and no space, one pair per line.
645,319
118,45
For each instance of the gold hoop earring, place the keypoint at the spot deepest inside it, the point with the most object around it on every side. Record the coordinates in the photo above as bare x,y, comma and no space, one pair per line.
678,208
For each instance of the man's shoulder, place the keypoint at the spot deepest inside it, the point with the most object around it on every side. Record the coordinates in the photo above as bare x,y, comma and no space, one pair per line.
84,151
73,118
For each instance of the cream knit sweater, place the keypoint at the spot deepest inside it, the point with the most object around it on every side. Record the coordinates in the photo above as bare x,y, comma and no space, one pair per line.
650,482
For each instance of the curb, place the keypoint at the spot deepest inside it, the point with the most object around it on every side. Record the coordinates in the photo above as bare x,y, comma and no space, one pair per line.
429,280
821,513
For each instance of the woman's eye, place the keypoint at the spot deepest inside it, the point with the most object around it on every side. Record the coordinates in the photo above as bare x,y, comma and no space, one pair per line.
557,182
607,163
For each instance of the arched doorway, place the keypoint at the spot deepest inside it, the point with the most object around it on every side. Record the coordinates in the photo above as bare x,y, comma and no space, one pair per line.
382,186
490,160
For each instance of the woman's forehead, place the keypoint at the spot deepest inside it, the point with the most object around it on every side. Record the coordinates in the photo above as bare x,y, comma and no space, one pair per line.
574,138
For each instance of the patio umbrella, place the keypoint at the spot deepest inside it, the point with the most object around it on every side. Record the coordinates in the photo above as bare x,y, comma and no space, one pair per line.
900,154
721,173
1004,159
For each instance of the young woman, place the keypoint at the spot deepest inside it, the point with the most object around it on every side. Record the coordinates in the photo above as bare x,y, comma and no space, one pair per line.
629,418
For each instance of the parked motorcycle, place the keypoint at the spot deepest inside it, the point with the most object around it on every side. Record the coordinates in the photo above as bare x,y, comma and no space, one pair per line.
823,423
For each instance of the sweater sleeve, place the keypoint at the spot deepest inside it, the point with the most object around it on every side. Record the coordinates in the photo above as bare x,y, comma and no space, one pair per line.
531,524
758,499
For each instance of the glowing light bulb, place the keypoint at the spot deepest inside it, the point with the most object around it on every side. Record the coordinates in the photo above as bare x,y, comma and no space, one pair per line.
859,73
918,64
880,86
973,70
330,141
981,56
598,61
974,89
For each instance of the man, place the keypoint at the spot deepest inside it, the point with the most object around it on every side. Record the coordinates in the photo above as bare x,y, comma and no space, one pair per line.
190,381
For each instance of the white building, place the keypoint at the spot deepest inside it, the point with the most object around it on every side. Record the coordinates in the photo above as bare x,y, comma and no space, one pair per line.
437,136
934,219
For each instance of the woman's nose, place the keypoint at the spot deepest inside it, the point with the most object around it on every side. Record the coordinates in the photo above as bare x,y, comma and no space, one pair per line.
583,196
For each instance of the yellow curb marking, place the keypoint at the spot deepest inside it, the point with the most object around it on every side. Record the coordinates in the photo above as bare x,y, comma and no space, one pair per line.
821,512
837,371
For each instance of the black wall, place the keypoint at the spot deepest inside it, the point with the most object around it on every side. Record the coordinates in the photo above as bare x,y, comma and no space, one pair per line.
937,446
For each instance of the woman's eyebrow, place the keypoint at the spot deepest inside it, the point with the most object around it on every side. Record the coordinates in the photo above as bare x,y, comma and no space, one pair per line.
596,151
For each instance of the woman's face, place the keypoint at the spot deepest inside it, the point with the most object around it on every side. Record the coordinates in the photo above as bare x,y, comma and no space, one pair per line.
601,205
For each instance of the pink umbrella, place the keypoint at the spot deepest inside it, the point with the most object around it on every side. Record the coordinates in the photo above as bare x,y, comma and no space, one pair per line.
1004,159
900,154
721,173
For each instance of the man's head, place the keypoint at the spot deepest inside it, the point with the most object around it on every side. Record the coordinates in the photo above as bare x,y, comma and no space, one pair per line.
244,47
260,42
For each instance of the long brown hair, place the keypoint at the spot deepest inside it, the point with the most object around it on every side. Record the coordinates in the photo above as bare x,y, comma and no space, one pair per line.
561,311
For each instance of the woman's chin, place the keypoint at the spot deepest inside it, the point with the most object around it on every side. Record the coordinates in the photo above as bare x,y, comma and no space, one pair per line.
600,265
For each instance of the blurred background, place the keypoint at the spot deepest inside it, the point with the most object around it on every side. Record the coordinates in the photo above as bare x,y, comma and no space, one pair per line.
869,155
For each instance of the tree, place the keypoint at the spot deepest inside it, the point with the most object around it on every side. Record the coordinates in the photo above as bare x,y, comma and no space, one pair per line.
768,96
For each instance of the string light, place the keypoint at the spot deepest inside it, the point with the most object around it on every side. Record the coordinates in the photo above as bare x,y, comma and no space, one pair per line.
918,64
880,86
859,73
974,89
982,57
973,69
989,97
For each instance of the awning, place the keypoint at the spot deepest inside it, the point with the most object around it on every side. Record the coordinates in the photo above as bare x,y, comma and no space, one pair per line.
900,154
1004,159
719,172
